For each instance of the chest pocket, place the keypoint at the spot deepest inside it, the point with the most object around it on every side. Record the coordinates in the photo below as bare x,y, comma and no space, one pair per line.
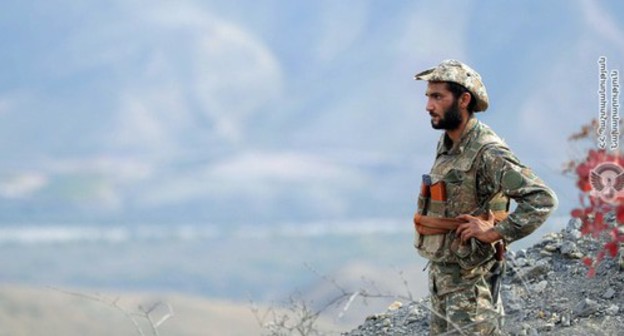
460,188
454,176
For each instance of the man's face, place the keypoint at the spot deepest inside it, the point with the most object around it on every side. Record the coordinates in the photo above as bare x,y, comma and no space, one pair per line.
442,107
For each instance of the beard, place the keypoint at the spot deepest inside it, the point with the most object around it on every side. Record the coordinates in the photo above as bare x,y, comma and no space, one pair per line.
451,118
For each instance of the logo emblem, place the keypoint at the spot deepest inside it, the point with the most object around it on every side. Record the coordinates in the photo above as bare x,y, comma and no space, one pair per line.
607,181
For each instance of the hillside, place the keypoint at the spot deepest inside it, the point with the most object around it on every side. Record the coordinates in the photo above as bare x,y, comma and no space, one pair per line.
546,291
28,311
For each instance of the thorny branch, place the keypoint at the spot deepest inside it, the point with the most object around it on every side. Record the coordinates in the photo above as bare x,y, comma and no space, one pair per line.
144,313
302,320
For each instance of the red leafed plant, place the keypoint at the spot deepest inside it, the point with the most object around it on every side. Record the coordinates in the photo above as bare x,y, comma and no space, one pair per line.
593,209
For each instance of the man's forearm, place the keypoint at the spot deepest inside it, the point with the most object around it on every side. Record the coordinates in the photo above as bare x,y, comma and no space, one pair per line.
532,211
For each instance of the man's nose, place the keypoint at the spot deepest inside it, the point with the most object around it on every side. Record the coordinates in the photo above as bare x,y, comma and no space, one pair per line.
429,106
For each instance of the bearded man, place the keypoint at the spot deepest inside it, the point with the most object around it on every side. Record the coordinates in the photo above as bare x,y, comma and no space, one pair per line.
463,222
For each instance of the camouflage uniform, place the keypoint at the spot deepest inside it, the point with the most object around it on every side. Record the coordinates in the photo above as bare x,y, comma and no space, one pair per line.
480,172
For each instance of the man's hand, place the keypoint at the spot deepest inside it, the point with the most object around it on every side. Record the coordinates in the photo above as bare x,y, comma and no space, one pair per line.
478,228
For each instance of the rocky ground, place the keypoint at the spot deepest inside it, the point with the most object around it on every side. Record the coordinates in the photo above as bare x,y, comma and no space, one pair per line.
546,291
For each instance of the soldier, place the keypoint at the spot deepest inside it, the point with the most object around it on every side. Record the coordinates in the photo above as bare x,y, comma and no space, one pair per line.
462,221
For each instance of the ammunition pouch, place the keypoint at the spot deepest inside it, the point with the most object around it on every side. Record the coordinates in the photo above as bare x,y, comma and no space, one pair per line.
473,253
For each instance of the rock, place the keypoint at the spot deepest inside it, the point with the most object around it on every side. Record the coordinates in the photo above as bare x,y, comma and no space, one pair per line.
574,224
612,310
551,248
545,253
395,306
542,267
573,235
373,317
520,262
547,327
567,248
565,319
585,308
521,253
550,238
609,293
540,287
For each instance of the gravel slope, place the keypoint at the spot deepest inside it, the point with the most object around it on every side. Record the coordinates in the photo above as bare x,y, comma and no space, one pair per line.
546,291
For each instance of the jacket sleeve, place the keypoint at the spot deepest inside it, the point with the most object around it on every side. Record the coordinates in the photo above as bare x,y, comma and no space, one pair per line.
501,171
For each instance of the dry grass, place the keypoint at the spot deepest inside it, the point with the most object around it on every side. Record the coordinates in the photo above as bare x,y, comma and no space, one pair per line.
27,311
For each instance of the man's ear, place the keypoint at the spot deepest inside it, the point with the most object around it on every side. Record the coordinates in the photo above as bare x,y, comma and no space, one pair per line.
464,100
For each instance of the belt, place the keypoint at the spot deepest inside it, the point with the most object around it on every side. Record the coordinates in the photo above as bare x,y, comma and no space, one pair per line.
428,225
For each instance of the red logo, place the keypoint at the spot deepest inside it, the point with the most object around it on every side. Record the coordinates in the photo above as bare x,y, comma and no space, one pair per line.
607,181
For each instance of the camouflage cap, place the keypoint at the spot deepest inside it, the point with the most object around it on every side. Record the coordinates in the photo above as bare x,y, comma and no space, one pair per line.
458,72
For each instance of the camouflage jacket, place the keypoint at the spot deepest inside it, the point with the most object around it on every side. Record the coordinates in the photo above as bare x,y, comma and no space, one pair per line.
498,170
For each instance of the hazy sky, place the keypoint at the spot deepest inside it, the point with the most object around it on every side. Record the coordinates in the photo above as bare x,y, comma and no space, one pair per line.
122,106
